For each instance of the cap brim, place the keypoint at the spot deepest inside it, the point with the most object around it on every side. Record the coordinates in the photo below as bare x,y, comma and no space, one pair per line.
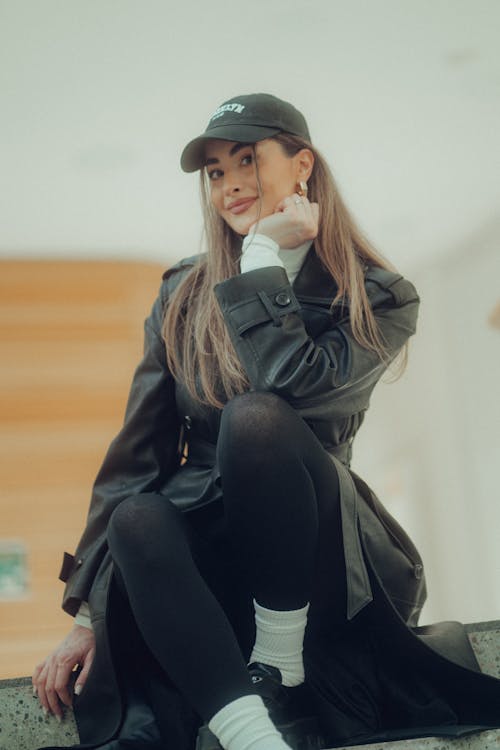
193,156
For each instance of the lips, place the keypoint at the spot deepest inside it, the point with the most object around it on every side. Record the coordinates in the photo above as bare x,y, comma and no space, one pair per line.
240,206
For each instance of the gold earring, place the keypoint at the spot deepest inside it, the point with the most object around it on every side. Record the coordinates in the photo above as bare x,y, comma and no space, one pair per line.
302,188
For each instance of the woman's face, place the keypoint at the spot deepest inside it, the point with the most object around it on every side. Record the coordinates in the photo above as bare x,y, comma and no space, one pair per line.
234,189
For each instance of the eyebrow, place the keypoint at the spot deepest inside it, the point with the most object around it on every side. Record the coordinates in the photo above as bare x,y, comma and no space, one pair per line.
237,147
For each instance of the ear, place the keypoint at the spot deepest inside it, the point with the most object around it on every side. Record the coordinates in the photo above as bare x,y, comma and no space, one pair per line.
304,163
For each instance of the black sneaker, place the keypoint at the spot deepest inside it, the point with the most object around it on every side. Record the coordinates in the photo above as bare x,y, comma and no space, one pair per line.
287,708
207,740
297,726
300,734
267,683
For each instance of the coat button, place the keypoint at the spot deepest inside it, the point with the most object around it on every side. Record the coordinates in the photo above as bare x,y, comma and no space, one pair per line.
79,562
187,422
282,299
418,571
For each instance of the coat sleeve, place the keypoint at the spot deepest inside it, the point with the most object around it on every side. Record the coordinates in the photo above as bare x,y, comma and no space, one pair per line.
331,375
139,459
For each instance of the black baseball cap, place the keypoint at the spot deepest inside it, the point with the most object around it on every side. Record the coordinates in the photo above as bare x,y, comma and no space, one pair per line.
245,119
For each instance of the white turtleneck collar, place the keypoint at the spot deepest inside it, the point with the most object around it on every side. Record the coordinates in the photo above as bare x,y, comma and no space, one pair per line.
293,259
260,251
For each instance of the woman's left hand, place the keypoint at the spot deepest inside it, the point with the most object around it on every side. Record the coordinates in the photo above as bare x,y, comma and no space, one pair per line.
294,221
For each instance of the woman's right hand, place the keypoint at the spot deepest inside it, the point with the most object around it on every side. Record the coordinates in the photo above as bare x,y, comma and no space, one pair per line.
51,677
294,221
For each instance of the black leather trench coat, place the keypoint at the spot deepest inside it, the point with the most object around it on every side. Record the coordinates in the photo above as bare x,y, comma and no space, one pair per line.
291,342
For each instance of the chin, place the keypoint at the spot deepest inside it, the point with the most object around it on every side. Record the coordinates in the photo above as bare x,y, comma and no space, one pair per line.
241,227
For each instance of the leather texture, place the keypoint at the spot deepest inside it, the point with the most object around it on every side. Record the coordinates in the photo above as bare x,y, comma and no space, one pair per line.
293,343
309,357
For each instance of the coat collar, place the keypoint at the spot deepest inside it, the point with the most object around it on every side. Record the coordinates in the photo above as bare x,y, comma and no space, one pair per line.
313,280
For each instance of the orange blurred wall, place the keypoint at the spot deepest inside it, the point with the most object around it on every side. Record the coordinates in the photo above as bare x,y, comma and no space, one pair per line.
71,336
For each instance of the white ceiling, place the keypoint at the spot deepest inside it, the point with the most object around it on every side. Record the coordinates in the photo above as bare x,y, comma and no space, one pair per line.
98,98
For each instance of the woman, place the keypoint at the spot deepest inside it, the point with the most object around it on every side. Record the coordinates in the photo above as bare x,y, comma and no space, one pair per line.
226,527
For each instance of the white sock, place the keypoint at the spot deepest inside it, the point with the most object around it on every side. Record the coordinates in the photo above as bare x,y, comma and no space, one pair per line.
279,641
244,724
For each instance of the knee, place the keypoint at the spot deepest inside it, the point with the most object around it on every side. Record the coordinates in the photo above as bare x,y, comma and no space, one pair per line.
251,400
123,526
136,525
256,429
258,416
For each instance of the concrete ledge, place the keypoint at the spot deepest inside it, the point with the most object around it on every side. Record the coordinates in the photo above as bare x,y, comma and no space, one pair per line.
489,740
23,725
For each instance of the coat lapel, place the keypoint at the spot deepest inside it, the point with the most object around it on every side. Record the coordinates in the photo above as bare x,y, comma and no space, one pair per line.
313,282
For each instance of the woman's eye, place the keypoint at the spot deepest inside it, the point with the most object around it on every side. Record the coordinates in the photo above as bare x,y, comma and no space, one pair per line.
214,174
247,159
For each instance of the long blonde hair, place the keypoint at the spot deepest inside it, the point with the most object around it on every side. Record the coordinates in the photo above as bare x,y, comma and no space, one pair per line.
199,350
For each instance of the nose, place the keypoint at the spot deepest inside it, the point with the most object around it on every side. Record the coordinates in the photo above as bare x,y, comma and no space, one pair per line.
232,183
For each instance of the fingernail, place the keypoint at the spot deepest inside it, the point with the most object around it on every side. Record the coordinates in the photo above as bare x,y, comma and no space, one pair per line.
59,718
45,711
78,689
35,690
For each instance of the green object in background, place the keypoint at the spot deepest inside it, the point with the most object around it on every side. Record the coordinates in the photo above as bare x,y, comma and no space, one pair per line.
13,570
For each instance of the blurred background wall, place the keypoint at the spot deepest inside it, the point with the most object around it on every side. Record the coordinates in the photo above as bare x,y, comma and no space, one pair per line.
430,444
97,102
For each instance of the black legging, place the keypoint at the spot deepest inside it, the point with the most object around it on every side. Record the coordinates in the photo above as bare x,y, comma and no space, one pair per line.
280,492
